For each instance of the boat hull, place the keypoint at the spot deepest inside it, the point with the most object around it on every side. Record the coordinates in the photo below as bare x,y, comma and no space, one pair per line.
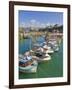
49,51
45,59
32,69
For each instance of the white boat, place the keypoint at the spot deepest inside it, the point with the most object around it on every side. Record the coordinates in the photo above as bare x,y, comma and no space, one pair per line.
46,57
54,45
30,68
43,56
27,64
48,49
56,48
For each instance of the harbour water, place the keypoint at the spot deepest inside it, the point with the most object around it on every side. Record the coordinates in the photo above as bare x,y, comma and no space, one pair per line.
47,69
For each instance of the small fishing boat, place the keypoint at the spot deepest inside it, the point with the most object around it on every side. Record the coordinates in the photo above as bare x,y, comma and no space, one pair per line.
48,49
27,64
55,47
54,44
30,68
45,57
42,55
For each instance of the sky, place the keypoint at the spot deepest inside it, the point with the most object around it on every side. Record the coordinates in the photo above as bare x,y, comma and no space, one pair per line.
39,18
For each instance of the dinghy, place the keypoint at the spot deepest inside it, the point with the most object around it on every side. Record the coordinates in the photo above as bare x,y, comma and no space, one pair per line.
48,49
46,57
54,45
27,64
30,68
42,56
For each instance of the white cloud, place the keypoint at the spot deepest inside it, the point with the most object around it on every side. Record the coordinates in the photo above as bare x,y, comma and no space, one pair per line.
33,21
43,25
22,24
48,24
